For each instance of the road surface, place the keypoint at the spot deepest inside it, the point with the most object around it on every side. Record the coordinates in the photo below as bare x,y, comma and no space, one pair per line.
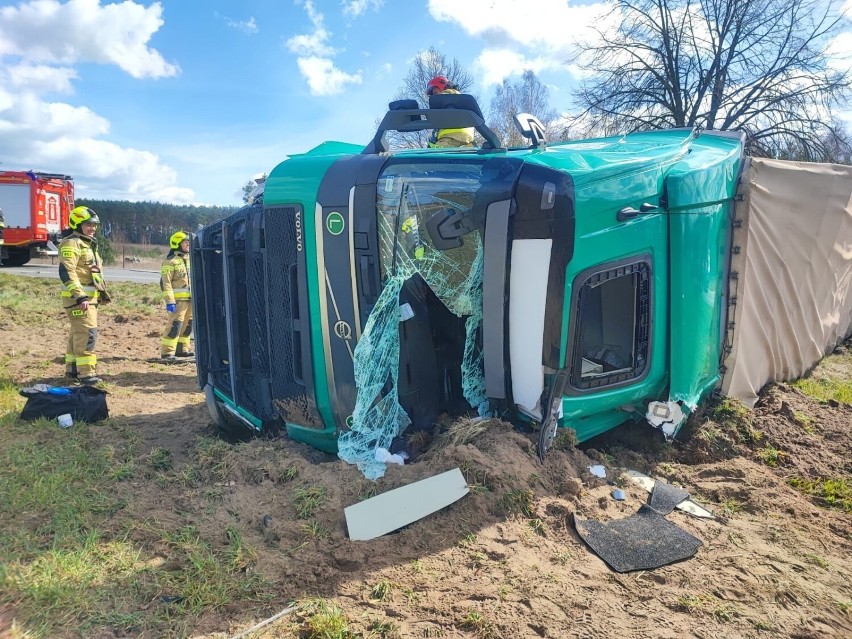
111,273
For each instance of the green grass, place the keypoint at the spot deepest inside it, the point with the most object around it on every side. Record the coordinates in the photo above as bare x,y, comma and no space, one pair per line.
478,624
72,563
35,301
308,499
832,492
382,590
518,501
832,380
771,456
322,620
825,389
729,412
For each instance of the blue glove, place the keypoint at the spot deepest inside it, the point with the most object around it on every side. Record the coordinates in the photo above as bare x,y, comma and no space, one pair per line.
171,308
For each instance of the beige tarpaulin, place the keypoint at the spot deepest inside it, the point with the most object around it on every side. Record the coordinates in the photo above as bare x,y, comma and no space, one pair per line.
792,277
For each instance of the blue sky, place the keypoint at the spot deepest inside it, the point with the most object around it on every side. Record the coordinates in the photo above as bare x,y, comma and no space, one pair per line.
184,100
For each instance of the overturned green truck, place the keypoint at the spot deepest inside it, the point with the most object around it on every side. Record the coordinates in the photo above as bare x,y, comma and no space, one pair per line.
369,293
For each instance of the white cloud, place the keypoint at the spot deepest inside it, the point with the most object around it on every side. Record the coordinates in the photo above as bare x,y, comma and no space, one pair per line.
355,8
47,31
521,34
324,78
314,57
497,64
246,26
41,134
316,42
41,79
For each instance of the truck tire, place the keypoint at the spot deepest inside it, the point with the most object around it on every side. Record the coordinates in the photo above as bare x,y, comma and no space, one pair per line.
16,256
215,409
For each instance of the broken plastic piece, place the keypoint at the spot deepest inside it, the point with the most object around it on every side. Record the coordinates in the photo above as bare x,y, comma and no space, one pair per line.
399,507
405,312
667,416
688,506
598,471
618,495
384,455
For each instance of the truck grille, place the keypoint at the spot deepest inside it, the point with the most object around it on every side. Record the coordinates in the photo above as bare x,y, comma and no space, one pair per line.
249,328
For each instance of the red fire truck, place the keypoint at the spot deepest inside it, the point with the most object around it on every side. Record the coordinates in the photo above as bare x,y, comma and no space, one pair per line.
35,207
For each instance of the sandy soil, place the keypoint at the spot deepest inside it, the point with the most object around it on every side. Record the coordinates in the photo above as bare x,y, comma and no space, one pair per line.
773,563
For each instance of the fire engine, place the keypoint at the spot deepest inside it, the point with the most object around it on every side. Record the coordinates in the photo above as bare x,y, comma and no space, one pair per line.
35,207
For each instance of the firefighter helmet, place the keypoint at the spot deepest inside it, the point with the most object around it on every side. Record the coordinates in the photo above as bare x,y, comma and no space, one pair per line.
438,83
82,214
176,239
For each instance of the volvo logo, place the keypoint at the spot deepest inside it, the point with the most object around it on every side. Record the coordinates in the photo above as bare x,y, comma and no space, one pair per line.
299,230
343,330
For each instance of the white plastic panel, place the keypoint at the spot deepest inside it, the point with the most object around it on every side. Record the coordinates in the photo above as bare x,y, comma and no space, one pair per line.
527,299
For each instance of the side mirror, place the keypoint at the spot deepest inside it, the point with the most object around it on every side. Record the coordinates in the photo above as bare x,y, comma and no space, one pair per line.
531,128
447,226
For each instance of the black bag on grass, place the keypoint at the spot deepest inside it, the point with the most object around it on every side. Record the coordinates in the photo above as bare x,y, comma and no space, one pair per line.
83,403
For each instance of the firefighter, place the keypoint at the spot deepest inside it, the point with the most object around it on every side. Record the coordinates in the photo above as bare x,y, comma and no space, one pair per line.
447,137
174,280
83,290
2,225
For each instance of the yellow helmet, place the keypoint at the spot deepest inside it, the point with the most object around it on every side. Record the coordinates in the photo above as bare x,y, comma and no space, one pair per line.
82,214
176,239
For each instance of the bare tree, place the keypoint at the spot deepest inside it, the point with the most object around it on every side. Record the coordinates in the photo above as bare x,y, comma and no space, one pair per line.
759,66
426,66
528,95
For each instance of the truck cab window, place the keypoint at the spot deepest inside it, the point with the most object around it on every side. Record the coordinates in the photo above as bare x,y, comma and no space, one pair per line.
611,325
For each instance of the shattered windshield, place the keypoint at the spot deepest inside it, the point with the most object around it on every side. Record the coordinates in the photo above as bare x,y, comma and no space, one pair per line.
410,198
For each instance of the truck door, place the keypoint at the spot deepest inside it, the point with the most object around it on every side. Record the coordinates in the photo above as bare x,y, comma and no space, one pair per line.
616,319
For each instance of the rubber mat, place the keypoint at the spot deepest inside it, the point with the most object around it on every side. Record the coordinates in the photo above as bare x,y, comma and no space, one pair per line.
665,497
642,541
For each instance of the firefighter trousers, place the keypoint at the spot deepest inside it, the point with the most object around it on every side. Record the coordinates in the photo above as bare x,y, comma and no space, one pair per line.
80,358
178,330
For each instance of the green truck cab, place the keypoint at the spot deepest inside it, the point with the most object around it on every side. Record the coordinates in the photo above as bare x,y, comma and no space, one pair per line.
369,292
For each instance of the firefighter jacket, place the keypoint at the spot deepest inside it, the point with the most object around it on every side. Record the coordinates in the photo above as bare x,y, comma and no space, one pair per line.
463,136
174,277
80,269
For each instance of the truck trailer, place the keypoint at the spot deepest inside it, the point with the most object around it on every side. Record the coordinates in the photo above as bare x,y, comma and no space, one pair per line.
36,208
370,293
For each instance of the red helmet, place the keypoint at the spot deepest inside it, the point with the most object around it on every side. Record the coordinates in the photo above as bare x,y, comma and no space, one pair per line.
438,83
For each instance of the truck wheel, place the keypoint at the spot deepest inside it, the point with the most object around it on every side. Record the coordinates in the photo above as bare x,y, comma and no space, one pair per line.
227,426
16,257
215,410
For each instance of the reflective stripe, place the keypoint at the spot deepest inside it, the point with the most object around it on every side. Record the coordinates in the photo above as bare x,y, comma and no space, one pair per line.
88,360
91,291
70,358
169,342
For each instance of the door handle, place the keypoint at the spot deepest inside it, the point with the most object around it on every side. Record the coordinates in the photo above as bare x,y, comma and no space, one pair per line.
628,212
